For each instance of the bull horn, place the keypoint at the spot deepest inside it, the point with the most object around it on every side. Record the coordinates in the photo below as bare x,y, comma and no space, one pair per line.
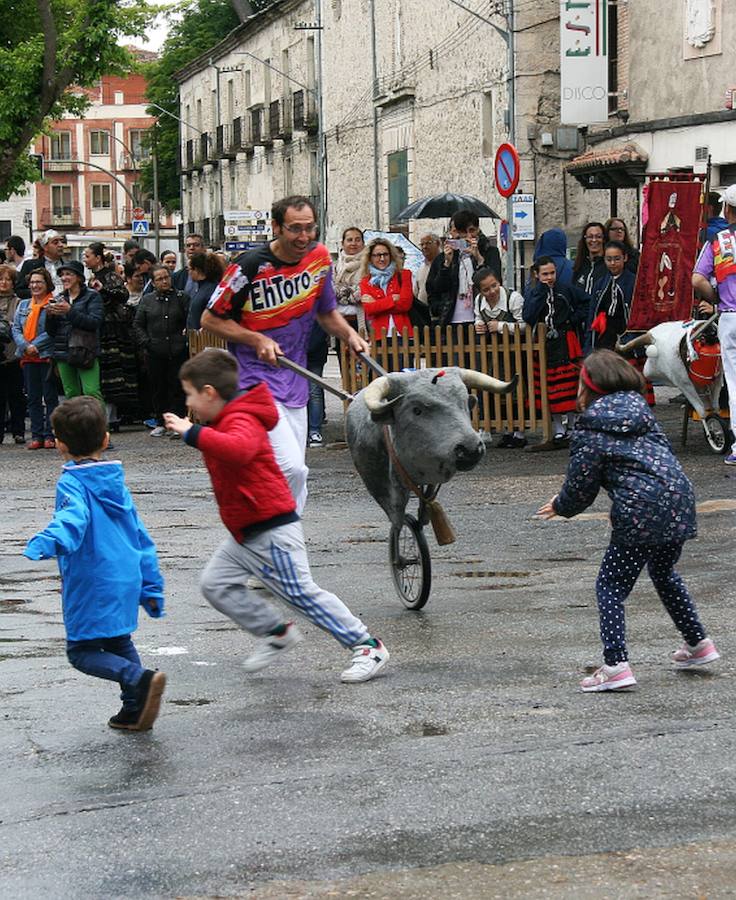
642,341
376,393
483,382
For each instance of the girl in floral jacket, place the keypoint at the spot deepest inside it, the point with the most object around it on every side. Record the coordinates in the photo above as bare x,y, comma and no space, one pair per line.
618,445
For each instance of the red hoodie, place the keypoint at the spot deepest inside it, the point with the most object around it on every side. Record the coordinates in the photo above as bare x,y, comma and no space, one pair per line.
249,486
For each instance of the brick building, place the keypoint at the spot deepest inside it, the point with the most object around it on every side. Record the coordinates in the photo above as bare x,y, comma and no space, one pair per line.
90,188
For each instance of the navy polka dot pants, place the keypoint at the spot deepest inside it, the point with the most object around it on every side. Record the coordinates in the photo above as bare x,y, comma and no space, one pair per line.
619,570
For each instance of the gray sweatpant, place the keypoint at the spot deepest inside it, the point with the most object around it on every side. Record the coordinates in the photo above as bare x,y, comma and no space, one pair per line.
279,558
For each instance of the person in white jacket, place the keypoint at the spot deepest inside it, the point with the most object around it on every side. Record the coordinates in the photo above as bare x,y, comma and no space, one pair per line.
495,310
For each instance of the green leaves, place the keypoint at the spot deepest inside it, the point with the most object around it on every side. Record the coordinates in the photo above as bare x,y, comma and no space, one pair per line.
77,41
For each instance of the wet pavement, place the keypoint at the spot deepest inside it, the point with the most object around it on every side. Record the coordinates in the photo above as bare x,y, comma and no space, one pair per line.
472,768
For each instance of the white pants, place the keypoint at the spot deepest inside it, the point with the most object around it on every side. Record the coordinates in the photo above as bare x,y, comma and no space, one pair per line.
727,337
289,442
278,558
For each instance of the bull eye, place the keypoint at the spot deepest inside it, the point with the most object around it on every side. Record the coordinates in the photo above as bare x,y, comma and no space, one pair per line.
417,410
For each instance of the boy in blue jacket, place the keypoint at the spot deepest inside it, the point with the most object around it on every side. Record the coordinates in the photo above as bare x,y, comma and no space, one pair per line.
107,563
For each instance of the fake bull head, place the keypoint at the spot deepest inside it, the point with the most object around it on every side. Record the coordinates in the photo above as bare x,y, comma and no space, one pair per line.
428,414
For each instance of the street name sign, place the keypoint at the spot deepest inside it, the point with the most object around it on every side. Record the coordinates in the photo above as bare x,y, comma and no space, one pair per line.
523,221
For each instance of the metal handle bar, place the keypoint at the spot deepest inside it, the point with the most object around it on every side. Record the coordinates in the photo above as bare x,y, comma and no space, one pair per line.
317,379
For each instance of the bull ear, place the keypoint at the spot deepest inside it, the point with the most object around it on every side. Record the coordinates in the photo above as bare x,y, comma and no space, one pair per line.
385,411
472,402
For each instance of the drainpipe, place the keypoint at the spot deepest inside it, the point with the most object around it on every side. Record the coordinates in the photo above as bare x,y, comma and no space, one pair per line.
374,81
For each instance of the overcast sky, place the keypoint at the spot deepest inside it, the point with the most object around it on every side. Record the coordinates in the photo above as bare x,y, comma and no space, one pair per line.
156,34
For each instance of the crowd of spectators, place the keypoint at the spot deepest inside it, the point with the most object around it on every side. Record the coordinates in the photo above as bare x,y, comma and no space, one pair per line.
114,329
136,312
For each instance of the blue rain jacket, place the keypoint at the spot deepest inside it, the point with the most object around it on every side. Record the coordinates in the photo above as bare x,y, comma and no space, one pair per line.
618,445
106,558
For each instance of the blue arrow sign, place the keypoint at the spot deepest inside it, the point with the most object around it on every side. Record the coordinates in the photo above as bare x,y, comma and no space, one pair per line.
522,214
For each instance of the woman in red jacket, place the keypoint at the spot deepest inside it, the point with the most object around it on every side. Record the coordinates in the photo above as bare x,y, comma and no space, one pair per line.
386,289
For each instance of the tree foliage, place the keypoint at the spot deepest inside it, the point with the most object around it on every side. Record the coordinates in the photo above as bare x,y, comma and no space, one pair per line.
203,24
195,28
48,49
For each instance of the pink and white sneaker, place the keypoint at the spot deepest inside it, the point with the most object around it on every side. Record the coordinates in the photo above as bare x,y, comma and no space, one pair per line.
609,678
701,654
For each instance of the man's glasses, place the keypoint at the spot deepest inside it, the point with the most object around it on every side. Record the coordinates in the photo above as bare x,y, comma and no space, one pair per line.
301,229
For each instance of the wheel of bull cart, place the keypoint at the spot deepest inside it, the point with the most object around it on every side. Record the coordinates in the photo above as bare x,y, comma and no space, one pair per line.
717,433
411,567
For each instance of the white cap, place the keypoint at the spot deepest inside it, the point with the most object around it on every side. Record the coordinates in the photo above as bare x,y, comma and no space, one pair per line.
49,236
729,196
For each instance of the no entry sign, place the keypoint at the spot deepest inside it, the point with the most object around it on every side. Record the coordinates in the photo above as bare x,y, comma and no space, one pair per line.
506,169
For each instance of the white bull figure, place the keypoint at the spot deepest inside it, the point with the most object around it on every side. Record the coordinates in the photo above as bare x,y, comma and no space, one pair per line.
670,352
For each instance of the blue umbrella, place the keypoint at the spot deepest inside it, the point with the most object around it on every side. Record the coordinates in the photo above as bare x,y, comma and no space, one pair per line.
443,206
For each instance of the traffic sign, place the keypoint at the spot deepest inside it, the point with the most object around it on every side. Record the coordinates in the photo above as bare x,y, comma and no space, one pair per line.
506,169
140,227
240,246
523,221
139,213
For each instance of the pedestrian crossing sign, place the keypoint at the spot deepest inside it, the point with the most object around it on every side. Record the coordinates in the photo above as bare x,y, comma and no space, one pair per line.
140,227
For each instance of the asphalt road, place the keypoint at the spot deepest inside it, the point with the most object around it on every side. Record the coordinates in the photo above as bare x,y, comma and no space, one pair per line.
472,768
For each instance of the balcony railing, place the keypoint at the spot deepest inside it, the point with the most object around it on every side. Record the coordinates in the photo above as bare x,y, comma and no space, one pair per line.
200,157
255,125
226,145
60,165
279,119
305,112
60,216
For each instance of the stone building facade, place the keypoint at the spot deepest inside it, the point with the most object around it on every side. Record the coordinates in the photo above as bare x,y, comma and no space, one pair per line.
415,104
415,101
249,111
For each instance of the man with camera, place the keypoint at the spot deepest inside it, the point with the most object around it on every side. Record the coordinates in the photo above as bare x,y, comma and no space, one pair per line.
450,279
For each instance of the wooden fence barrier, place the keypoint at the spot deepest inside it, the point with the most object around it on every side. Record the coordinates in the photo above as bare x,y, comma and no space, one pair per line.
500,354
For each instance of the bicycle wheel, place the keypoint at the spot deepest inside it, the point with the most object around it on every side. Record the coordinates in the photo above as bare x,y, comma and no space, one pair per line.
716,434
411,567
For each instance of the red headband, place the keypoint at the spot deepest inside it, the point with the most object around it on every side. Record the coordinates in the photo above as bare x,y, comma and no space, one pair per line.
588,381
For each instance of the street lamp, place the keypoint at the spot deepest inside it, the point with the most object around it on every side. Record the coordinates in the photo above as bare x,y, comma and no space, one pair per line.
508,36
317,94
321,146
155,169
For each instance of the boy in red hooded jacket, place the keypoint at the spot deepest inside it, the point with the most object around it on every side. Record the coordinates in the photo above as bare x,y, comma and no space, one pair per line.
258,509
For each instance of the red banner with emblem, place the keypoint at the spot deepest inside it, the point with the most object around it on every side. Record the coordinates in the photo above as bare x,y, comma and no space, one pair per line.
663,291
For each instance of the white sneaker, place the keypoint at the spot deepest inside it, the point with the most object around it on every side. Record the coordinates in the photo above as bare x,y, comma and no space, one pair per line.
174,435
158,431
609,678
366,663
315,440
270,647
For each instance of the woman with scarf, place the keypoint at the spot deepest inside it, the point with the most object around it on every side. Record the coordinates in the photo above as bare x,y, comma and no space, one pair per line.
589,265
347,277
563,310
34,347
118,374
11,379
386,290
